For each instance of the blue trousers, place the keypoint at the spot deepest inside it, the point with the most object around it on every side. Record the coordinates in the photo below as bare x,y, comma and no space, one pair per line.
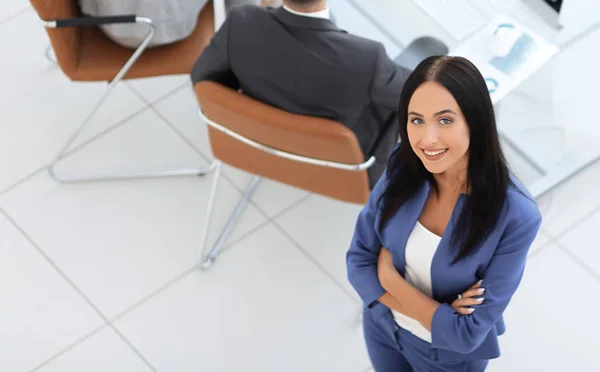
394,349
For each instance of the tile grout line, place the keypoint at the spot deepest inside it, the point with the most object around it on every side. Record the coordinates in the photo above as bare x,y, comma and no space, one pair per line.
573,225
267,221
107,131
313,260
159,100
578,261
144,300
176,279
543,247
23,180
70,347
17,14
84,144
73,286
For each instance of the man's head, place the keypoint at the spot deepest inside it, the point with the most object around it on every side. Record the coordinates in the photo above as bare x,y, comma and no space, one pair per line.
306,5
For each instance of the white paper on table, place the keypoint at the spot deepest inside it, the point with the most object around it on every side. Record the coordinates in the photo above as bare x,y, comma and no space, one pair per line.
503,74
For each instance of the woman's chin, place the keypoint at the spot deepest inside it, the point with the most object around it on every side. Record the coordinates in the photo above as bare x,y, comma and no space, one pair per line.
434,168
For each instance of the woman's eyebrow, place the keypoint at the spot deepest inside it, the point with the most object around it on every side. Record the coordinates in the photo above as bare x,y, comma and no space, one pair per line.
446,111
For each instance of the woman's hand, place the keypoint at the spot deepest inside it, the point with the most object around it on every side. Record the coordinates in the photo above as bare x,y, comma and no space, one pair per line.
468,299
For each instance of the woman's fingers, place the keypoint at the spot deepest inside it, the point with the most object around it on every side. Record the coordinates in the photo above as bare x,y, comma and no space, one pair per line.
463,305
465,310
473,292
464,302
477,285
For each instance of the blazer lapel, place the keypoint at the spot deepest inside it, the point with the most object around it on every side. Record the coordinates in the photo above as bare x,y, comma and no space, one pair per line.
443,273
403,223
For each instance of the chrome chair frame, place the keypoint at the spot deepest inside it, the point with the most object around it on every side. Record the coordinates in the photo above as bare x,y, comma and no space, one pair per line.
111,85
206,260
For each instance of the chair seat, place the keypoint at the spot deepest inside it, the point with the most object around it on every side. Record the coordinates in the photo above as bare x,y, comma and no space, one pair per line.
101,58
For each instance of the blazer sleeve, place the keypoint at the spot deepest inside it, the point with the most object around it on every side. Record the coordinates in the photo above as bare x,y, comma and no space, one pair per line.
361,259
465,333
388,80
214,62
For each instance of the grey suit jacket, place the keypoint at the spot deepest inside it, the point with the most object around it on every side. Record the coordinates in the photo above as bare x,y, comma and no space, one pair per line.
308,66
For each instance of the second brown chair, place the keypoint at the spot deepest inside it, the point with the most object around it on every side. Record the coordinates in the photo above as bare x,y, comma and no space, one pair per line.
313,154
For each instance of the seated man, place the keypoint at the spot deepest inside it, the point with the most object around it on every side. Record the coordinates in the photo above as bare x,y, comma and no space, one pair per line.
296,59
174,20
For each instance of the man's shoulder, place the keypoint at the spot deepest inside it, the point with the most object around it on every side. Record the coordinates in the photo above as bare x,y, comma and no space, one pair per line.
254,13
362,42
247,10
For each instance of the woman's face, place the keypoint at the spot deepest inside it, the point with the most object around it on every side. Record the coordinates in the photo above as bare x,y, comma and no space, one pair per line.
437,130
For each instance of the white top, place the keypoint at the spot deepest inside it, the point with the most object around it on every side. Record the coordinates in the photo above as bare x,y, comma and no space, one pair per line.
320,14
420,248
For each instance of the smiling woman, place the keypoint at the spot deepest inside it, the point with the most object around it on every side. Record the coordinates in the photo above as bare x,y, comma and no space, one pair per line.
443,227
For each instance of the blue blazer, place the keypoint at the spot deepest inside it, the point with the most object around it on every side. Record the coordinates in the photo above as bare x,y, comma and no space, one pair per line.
499,261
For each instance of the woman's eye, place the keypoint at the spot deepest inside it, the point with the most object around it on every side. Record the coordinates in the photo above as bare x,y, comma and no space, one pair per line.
445,121
416,121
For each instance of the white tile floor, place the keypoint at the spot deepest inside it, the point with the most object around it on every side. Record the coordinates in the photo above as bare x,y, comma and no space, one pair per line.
98,277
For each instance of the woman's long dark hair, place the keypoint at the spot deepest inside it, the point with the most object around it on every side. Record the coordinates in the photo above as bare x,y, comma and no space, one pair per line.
487,172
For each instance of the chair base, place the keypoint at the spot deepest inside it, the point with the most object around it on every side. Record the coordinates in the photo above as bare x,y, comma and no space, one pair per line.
205,261
132,175
111,85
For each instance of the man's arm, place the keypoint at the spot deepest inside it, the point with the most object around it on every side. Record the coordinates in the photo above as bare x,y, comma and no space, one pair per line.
213,64
388,80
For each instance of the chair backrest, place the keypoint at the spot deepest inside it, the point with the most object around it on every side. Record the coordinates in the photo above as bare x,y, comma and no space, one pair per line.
299,135
65,41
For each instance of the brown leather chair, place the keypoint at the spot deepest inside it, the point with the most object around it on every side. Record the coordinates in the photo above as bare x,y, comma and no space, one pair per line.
314,154
84,53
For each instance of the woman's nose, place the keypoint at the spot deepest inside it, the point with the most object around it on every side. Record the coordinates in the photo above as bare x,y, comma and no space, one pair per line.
430,135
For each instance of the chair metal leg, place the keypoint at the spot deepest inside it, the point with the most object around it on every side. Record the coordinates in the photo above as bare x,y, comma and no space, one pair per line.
206,261
209,209
116,176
